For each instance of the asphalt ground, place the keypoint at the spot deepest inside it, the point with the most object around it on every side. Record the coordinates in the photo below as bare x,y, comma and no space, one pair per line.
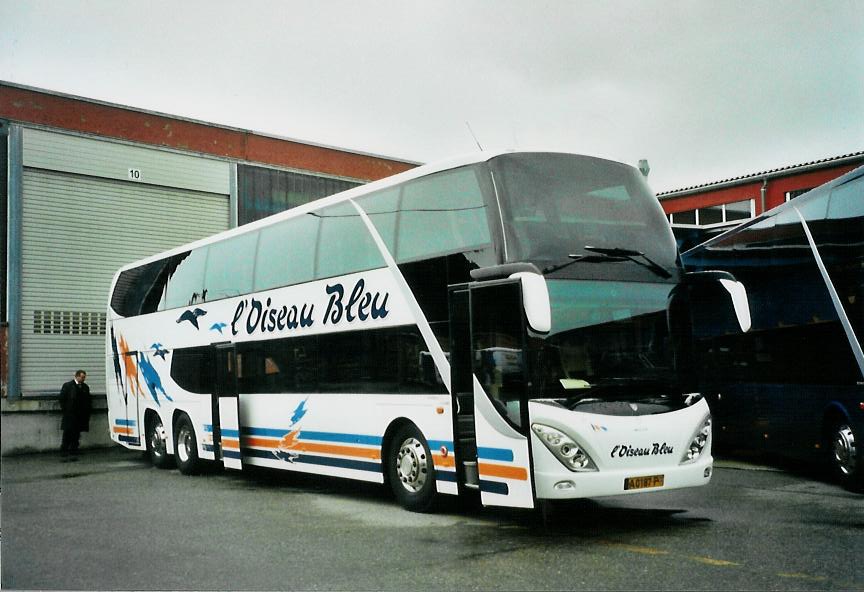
112,522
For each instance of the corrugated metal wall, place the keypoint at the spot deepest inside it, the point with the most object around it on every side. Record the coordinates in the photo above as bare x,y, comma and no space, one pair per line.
83,219
112,160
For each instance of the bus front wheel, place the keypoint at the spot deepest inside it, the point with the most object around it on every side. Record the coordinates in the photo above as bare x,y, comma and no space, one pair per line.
157,448
186,446
846,456
411,471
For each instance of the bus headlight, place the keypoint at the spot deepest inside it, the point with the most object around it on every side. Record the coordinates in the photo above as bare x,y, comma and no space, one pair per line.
564,448
698,442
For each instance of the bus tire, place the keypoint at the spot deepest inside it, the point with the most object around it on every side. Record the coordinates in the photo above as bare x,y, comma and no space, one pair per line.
186,446
157,443
410,470
846,455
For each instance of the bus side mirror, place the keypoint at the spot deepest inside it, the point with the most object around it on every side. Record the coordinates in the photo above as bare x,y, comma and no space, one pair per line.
740,302
535,301
714,302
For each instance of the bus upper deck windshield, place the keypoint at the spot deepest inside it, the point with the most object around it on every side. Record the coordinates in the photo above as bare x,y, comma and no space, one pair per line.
555,205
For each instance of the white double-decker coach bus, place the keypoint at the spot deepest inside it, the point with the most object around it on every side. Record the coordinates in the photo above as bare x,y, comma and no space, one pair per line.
497,324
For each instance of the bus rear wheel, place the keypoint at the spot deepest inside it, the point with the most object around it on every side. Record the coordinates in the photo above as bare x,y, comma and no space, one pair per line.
186,446
157,447
410,470
846,456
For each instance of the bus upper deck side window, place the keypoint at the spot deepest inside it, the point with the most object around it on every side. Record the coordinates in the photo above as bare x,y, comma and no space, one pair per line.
230,265
382,209
442,213
286,253
186,279
139,290
345,244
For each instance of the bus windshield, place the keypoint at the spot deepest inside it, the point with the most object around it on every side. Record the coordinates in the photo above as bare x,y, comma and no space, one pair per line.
609,339
553,206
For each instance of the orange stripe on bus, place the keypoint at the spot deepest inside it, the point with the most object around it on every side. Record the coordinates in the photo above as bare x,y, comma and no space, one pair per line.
444,461
231,443
502,471
122,430
372,453
260,442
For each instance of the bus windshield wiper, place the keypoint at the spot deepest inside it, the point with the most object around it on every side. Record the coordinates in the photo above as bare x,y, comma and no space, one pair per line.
629,255
574,258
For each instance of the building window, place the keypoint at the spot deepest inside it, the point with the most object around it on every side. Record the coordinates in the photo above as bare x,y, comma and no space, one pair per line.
713,215
688,217
262,192
740,210
790,195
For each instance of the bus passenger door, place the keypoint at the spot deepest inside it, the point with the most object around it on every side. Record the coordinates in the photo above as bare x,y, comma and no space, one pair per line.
129,430
500,384
462,389
225,406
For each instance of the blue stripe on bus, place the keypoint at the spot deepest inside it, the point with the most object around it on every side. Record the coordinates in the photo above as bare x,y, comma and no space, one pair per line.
445,476
320,436
231,454
494,487
225,431
130,440
495,453
486,453
125,422
341,463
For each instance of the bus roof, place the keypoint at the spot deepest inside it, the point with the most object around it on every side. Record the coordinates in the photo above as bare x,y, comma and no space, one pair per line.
416,173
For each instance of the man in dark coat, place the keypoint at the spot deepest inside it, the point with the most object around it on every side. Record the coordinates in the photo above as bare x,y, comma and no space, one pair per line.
75,404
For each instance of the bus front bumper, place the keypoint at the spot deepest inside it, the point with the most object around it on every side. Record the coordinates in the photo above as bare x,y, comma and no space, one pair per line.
564,484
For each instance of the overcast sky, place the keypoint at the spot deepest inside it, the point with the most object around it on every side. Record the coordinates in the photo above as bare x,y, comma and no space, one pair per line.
703,90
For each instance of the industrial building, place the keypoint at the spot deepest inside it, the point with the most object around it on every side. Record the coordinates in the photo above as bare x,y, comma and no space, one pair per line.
699,212
87,186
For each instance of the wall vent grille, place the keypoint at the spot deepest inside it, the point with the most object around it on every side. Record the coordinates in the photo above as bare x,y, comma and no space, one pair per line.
68,322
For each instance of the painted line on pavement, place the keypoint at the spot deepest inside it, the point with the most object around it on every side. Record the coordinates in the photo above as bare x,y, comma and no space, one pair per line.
654,551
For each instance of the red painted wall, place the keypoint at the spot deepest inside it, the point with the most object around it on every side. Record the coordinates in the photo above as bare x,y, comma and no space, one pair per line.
713,198
30,106
752,189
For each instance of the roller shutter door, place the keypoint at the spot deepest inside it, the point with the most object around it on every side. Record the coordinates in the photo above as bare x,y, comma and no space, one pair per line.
77,231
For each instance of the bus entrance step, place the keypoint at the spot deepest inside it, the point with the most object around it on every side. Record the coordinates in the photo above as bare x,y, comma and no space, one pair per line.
472,477
468,448
466,436
465,423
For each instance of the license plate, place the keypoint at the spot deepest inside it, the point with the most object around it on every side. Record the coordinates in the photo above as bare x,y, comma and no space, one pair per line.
643,482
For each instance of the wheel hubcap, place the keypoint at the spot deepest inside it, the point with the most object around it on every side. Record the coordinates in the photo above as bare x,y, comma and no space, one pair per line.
157,440
845,453
411,465
185,442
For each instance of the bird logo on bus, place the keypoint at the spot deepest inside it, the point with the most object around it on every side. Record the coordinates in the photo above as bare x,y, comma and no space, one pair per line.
192,316
287,448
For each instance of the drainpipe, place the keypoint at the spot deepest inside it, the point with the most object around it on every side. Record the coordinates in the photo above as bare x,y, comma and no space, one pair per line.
13,271
763,193
234,212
